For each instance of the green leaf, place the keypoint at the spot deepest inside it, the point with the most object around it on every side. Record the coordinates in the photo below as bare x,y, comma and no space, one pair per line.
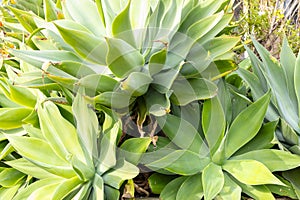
213,123
231,190
297,87
288,133
293,176
29,168
157,61
11,118
40,153
38,58
121,26
274,160
157,182
66,187
288,62
115,100
98,83
9,193
137,83
85,44
10,177
123,171
220,45
191,188
111,193
107,157
41,189
264,139
257,191
277,82
25,18
183,134
87,125
94,22
286,191
203,26
240,132
212,180
186,91
157,104
98,186
134,148
122,59
170,191
181,162
22,96
250,172
75,69
50,10
60,133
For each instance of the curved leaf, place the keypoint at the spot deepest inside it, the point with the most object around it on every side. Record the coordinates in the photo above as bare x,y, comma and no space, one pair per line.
212,180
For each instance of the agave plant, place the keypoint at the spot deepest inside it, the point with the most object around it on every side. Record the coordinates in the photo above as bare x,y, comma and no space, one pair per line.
129,55
230,160
281,78
69,162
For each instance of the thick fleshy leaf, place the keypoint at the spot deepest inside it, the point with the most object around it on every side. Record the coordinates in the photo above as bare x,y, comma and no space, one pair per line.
25,18
123,171
157,104
121,26
11,118
286,191
98,83
75,8
257,191
10,177
111,193
181,162
50,10
293,176
87,45
37,188
98,186
9,193
107,157
250,172
183,134
38,58
297,88
186,91
274,160
170,191
213,123
22,96
29,168
241,132
231,190
87,124
212,180
40,153
60,133
289,134
115,100
288,62
203,26
122,58
66,187
277,82
134,148
157,182
157,61
137,83
191,188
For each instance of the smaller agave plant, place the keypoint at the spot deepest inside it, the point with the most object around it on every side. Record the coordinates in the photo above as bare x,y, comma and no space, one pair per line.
220,165
69,162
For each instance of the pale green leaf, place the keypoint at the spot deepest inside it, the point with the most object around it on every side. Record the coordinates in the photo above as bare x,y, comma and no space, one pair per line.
181,162
137,83
50,10
213,123
170,191
191,188
122,58
274,160
241,131
212,180
98,186
183,134
250,172
123,171
231,190
11,118
10,177
157,182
